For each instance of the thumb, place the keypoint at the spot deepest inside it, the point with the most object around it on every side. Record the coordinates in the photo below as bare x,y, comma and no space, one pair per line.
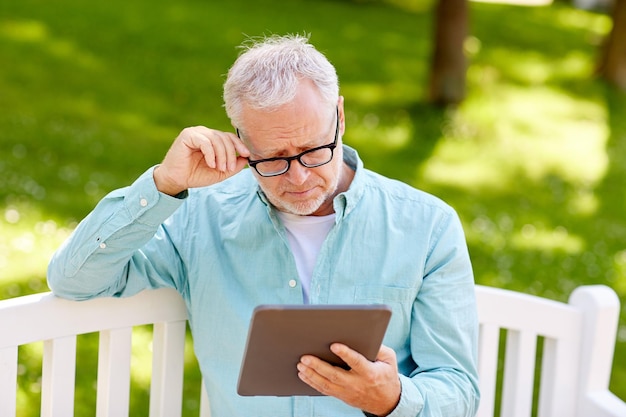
386,355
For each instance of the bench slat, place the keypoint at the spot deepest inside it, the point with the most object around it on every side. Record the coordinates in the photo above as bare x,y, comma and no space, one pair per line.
58,377
168,362
488,347
114,373
519,373
559,376
205,411
8,381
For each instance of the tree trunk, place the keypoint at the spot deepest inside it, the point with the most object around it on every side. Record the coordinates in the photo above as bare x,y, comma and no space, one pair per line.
448,64
613,64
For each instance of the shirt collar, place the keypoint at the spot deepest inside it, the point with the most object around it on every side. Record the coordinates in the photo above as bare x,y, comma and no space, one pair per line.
345,202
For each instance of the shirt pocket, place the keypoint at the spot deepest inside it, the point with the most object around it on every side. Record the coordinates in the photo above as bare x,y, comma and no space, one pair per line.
400,300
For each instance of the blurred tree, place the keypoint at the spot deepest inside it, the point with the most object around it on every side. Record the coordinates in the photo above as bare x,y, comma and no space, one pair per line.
613,60
448,63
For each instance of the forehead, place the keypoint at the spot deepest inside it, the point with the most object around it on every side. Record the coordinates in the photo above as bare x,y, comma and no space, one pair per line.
286,131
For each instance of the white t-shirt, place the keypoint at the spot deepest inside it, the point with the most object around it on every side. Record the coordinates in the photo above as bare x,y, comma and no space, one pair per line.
306,236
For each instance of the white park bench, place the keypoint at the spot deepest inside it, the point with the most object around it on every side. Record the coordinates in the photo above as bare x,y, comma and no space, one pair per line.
578,340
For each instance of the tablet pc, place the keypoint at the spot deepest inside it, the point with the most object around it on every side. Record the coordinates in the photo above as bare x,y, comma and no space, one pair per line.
280,334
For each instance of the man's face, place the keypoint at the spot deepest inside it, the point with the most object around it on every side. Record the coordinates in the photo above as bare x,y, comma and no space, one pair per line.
304,124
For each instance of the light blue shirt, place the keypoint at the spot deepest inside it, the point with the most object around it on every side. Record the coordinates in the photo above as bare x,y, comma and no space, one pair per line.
225,250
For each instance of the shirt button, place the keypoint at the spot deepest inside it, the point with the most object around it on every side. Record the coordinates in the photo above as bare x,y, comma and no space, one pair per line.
292,283
143,202
103,245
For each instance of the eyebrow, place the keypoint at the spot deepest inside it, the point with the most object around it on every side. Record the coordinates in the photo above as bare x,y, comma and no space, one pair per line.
280,152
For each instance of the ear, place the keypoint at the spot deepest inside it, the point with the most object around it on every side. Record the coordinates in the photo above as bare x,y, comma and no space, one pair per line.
342,116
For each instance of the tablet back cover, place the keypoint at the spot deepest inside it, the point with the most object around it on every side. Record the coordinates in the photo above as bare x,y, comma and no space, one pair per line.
280,335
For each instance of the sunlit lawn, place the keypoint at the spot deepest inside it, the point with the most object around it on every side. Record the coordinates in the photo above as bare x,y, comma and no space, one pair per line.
91,94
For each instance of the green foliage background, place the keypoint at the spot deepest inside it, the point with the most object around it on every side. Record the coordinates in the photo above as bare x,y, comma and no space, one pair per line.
93,93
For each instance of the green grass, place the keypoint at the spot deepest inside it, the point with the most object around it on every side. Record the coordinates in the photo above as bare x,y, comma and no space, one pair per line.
91,94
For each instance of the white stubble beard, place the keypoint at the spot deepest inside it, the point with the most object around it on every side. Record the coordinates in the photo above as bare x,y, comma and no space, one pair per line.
305,208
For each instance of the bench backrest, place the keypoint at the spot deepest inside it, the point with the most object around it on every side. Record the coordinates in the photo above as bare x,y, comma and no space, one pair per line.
57,322
575,361
578,339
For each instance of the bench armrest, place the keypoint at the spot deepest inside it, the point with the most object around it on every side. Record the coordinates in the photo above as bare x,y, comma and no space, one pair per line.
603,404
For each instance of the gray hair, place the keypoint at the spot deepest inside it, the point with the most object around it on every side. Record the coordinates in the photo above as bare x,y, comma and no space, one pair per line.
266,75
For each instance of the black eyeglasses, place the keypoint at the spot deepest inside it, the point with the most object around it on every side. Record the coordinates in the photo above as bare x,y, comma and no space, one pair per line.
311,158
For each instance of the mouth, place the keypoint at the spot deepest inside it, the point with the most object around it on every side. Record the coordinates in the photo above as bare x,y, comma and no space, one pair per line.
300,194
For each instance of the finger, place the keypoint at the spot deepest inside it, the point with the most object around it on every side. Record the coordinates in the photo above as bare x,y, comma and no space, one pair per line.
226,149
232,146
216,149
241,147
320,375
352,358
195,141
221,151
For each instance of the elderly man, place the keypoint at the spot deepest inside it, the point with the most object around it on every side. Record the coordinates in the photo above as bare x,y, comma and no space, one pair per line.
307,223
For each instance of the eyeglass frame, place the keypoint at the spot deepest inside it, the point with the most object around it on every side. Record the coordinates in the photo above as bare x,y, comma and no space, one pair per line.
253,163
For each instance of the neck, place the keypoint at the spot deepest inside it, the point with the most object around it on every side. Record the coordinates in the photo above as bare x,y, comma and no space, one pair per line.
345,179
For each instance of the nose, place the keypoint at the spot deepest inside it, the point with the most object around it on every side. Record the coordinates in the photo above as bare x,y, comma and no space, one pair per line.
297,173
